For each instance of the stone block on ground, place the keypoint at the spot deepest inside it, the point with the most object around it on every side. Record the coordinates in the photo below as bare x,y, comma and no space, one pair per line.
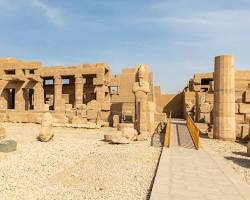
8,146
110,136
121,140
129,133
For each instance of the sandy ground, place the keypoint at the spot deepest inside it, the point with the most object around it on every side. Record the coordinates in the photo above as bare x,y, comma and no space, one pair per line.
77,164
234,153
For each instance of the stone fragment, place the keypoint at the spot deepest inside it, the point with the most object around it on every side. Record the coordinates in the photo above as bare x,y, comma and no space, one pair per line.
110,136
46,132
129,133
121,140
8,146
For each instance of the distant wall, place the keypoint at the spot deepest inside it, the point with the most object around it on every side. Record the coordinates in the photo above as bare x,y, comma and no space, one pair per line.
169,103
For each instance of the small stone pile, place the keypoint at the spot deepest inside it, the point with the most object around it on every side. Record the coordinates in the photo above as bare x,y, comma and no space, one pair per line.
126,133
46,133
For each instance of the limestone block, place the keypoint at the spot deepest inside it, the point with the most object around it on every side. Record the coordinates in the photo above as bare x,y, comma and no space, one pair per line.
68,107
242,131
116,120
189,106
129,133
247,97
205,108
46,107
60,118
17,117
79,120
247,118
244,108
122,126
121,140
8,146
92,114
93,105
83,106
110,136
160,117
81,113
239,118
70,114
197,88
209,97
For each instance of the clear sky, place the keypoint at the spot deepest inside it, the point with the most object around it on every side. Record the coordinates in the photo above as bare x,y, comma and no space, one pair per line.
177,38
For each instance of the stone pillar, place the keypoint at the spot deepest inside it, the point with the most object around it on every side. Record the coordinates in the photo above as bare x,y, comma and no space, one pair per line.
57,93
100,93
79,82
19,99
39,96
26,98
224,98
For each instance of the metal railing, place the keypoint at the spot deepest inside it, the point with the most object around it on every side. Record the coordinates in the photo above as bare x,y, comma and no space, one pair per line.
168,132
194,131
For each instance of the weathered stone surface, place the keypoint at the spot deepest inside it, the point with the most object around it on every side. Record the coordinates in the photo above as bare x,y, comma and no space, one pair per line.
244,108
189,106
129,133
110,136
205,108
121,140
8,146
46,133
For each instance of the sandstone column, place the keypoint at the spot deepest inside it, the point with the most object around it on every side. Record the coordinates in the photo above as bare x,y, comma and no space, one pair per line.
224,98
79,82
39,96
57,93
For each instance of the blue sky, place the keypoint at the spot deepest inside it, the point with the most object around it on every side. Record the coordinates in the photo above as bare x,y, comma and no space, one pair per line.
177,38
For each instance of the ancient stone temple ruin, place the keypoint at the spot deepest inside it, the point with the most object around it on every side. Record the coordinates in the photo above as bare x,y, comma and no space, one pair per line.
78,95
89,95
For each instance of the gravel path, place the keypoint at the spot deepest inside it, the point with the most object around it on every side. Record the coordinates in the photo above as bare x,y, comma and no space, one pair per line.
77,164
234,153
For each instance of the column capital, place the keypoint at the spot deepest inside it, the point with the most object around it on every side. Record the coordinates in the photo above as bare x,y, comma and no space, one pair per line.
57,80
